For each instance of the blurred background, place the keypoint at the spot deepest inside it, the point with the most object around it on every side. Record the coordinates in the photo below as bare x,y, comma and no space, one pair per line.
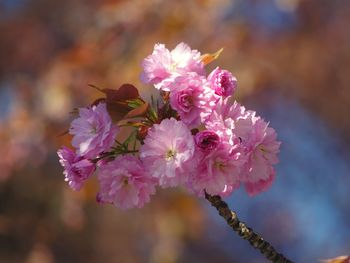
292,61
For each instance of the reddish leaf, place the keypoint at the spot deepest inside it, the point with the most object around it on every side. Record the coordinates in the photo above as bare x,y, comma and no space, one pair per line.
117,110
125,92
116,100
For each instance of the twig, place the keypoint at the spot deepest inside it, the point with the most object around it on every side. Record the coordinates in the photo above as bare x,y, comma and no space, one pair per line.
245,232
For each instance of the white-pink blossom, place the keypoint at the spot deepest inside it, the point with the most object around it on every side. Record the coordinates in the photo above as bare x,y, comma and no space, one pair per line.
197,136
257,142
93,132
167,152
125,183
217,171
259,186
163,66
77,169
260,147
224,118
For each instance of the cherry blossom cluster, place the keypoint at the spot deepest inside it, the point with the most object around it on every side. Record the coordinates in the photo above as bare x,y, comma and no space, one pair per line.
194,135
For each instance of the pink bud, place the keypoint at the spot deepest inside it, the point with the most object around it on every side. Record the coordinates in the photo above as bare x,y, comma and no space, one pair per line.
207,140
222,82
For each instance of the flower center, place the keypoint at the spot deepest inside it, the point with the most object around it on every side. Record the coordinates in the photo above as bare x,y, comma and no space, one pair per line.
170,155
220,165
93,129
185,101
262,148
78,173
173,66
125,181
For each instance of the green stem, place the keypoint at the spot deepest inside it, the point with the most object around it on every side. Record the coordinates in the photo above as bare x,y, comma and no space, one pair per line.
245,232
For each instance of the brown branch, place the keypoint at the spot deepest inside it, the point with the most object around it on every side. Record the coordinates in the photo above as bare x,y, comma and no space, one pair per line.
245,232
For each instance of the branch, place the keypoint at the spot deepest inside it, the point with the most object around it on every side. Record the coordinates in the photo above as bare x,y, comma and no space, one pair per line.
245,232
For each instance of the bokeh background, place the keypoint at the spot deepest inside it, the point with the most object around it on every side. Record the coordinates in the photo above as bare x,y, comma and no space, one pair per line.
292,61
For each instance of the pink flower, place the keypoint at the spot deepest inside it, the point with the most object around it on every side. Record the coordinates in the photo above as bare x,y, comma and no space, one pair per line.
167,152
257,142
259,186
244,125
222,82
218,171
224,118
76,168
261,148
207,140
125,183
162,66
93,131
192,98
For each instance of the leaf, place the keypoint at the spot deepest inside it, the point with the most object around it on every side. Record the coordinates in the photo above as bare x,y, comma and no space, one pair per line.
340,259
95,87
138,112
117,110
210,57
130,138
63,133
134,124
153,115
117,100
125,92
135,103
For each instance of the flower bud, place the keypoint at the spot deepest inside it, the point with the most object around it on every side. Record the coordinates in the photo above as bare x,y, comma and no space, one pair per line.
222,82
207,140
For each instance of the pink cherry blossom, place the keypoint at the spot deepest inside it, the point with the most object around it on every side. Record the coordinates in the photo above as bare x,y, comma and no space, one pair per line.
218,171
261,148
125,183
77,169
192,98
243,125
257,141
167,152
93,131
223,119
222,82
212,144
162,66
259,186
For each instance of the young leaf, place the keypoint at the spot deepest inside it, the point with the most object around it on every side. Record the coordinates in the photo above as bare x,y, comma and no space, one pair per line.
210,57
340,259
135,103
138,112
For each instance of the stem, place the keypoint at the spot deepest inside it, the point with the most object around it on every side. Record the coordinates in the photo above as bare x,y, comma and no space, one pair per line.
245,232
